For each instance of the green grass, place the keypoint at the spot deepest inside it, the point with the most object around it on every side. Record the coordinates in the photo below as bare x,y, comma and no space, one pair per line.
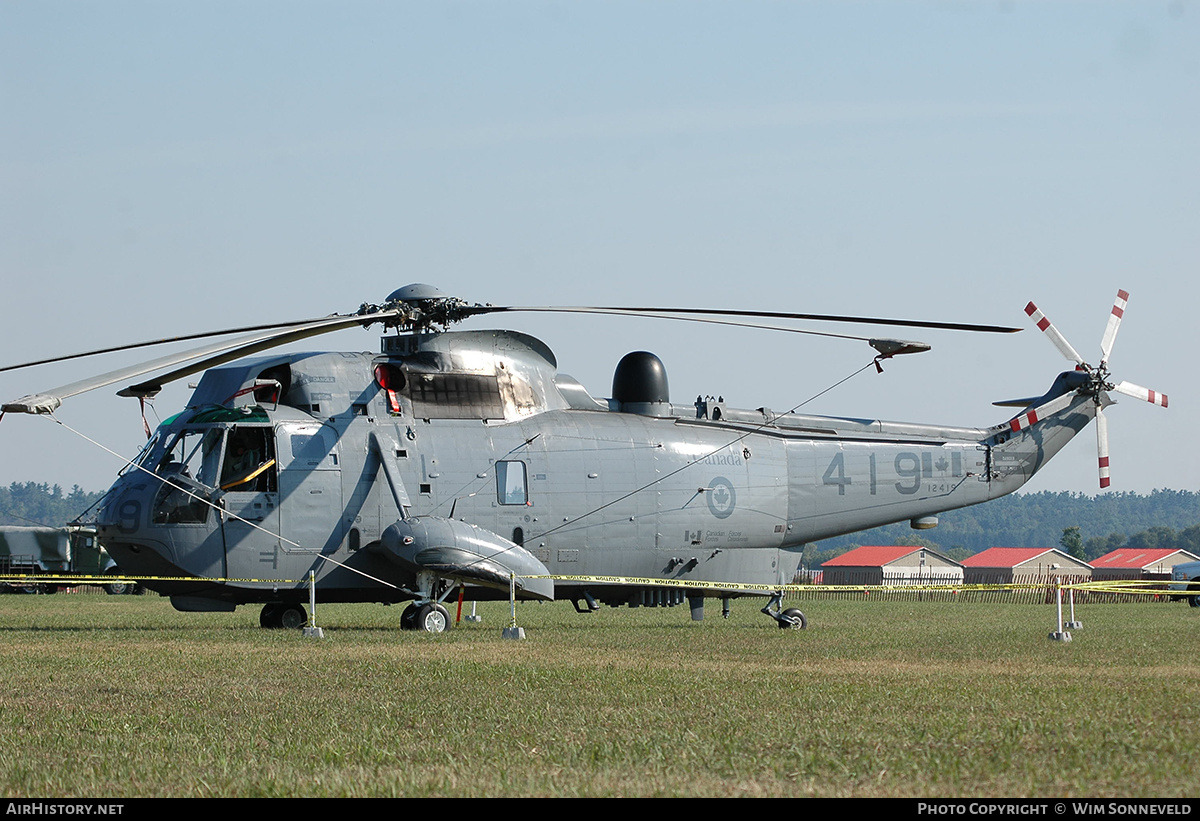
122,697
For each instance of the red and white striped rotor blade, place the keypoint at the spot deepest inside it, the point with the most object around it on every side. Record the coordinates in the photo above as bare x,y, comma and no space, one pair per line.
1145,394
1032,417
1114,323
1047,327
1102,446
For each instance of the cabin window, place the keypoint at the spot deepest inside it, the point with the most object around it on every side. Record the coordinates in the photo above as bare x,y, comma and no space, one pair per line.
249,465
511,486
307,447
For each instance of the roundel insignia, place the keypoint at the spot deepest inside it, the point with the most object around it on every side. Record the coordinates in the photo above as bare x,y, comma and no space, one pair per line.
721,497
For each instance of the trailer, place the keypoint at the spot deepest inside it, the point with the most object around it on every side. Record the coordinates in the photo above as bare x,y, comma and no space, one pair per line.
55,552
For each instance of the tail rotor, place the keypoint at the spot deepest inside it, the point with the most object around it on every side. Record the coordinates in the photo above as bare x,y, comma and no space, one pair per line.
1098,379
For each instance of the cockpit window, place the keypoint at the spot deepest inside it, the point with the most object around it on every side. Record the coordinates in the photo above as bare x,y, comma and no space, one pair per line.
249,465
144,454
194,454
188,470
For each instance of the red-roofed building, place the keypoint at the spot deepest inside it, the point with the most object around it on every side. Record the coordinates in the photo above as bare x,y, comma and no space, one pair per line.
1139,563
898,564
1009,565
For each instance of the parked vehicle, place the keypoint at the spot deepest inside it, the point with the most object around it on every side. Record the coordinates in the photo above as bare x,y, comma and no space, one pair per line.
55,552
1187,572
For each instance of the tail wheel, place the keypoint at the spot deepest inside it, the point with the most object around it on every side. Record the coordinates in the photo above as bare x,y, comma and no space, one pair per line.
792,619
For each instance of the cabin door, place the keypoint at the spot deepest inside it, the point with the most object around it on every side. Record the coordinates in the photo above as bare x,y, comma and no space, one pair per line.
310,491
249,496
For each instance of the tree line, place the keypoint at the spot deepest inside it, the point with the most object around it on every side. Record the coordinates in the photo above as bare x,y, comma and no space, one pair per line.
41,505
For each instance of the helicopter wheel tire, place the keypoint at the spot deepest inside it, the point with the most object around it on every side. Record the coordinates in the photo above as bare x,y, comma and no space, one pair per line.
432,618
408,619
270,616
792,619
293,617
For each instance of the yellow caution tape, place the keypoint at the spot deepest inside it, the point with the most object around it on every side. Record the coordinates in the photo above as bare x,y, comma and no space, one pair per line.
42,578
1132,587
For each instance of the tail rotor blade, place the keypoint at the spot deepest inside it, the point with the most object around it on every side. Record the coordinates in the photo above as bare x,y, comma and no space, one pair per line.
1102,446
1114,323
1047,327
1032,417
1145,394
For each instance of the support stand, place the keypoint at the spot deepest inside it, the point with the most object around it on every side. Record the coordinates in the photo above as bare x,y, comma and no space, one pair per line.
512,631
1073,624
1060,634
311,631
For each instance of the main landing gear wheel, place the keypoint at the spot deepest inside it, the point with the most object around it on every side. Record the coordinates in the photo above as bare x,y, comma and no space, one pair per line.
430,617
277,616
117,588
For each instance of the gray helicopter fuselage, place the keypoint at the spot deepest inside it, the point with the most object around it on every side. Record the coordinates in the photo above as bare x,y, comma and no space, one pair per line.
479,428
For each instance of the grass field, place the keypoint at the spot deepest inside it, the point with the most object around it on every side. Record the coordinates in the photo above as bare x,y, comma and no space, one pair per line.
123,697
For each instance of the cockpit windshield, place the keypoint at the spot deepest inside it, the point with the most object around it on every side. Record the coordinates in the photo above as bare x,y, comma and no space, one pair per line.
144,454
195,453
188,469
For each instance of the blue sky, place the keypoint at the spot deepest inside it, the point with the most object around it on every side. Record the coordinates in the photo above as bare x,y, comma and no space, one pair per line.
172,167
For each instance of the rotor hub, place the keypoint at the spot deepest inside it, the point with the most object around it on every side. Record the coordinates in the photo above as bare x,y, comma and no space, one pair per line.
420,307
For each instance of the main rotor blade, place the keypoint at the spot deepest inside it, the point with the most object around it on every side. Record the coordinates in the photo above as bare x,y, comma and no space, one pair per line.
1114,324
1145,394
208,356
650,312
1057,338
164,341
762,326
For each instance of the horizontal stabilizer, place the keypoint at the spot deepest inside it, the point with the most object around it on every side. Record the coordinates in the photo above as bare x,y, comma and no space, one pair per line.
1064,383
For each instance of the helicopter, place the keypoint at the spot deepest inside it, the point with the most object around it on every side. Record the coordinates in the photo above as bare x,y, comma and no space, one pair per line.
464,460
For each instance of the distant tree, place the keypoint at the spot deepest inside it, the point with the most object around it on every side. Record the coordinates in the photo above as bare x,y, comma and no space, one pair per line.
1072,542
41,504
1154,538
918,541
1101,545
